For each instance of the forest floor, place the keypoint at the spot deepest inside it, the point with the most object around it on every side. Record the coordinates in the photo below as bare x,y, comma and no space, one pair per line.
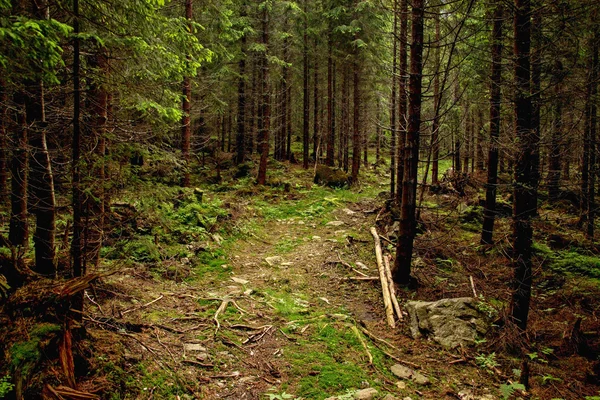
245,294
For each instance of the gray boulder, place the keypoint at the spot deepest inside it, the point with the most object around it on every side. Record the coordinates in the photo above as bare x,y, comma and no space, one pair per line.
450,322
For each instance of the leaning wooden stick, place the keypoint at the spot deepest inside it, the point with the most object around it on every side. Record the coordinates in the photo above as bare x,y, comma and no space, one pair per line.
387,301
388,274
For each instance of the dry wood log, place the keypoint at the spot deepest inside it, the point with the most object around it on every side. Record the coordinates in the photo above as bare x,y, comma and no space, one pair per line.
387,301
388,274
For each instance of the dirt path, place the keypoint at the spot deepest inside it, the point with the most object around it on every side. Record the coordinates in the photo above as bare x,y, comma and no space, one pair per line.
276,315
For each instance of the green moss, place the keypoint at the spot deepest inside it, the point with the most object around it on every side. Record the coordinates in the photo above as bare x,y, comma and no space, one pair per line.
24,355
329,355
142,250
573,262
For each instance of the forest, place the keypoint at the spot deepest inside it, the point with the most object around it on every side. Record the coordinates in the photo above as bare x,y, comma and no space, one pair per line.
311,199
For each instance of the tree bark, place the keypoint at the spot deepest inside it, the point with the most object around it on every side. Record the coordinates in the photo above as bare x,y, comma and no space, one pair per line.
593,116
402,98
525,190
186,128
264,119
241,117
437,97
305,99
4,172
404,247
316,110
394,105
356,139
18,228
42,183
553,177
489,212
345,123
330,107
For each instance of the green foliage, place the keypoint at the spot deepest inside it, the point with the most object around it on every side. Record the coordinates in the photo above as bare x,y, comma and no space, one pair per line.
31,48
278,396
6,386
508,390
545,379
487,361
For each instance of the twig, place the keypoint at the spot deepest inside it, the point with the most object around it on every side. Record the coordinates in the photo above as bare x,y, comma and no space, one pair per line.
385,239
221,308
93,302
393,357
379,214
139,341
473,286
387,301
232,375
359,272
362,342
287,336
258,336
198,363
164,345
143,306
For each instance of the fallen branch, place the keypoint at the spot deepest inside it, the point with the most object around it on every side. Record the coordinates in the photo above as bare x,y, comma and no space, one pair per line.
66,393
143,305
361,278
387,301
473,286
388,274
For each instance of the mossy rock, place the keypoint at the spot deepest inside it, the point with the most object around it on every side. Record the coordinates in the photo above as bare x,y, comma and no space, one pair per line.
331,177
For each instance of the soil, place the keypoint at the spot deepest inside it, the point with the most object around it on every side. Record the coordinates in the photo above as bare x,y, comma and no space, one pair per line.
255,328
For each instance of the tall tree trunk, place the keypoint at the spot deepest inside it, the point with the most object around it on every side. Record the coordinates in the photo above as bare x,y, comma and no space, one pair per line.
94,204
553,178
330,107
402,98
467,136
404,247
253,99
473,137
42,183
489,212
241,117
77,198
592,125
437,97
524,189
264,121
316,110
18,228
394,105
378,134
4,172
305,99
356,139
186,128
536,96
480,141
345,123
